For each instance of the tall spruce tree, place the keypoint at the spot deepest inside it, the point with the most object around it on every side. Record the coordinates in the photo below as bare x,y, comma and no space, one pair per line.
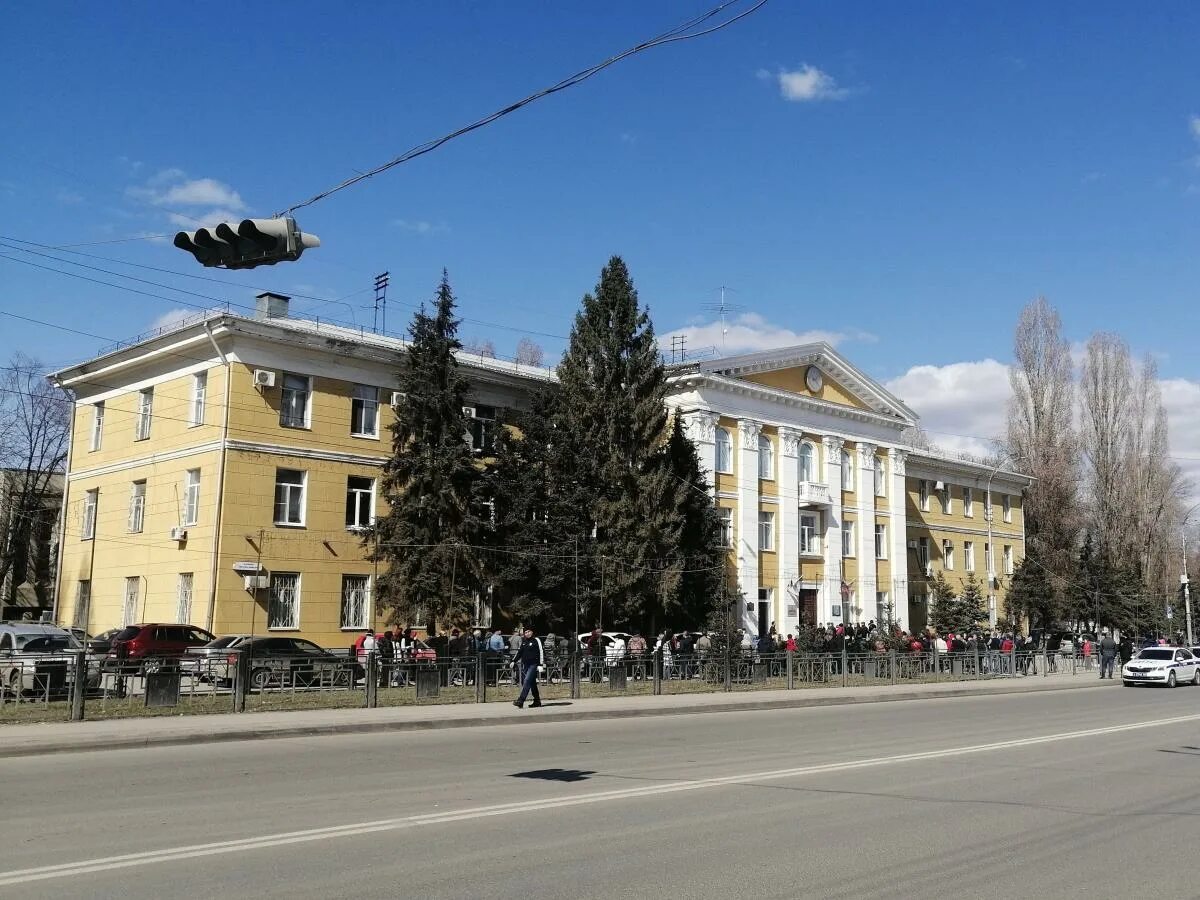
972,605
435,521
1031,594
613,417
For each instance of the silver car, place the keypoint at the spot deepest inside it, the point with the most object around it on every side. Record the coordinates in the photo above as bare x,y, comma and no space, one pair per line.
36,657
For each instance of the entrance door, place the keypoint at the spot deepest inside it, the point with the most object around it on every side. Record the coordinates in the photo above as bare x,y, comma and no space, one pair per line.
808,607
764,617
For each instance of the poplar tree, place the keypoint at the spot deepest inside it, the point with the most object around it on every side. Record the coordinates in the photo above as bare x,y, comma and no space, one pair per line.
435,517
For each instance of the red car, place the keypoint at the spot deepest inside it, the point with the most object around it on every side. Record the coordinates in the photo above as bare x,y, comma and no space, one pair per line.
153,642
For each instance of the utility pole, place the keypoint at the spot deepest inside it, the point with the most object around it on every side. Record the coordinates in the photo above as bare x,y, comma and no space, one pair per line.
381,286
1187,592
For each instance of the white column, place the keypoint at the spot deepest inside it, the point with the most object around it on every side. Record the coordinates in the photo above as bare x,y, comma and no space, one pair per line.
831,584
897,503
747,531
701,428
788,547
866,587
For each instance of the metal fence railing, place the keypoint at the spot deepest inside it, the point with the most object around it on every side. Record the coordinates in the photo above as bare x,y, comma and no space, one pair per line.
72,685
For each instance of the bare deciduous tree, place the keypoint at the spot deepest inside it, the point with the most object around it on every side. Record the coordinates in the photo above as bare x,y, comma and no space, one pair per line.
1041,435
34,424
529,353
480,347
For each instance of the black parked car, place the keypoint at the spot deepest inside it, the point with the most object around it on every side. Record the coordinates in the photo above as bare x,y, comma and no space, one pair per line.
278,662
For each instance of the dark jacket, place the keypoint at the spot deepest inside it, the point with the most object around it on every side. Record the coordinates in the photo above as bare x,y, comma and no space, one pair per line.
531,653
1108,647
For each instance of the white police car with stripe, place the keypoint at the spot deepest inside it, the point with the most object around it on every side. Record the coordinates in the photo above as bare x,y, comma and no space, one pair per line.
1162,665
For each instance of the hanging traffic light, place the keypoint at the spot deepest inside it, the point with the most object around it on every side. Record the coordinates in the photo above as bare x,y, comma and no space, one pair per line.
254,242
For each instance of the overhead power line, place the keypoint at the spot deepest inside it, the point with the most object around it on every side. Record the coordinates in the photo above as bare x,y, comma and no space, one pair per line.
683,32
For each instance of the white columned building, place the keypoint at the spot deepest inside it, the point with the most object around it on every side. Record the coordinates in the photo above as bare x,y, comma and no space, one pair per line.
787,547
831,585
701,428
746,468
898,552
864,591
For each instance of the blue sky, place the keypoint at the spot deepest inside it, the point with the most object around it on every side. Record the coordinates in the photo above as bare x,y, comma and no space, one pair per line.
900,178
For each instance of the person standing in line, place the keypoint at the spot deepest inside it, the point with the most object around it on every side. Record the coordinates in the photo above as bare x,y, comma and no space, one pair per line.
1125,649
387,652
530,655
1108,654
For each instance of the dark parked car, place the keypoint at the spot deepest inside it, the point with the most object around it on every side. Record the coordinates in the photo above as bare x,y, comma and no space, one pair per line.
102,643
277,662
146,645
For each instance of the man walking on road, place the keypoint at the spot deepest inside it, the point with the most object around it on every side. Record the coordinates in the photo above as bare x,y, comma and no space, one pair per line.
1108,654
530,655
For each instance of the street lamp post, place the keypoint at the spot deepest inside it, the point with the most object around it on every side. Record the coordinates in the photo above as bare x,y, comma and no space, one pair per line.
988,513
1183,578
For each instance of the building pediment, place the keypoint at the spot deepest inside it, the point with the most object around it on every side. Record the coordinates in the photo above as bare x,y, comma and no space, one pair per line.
813,372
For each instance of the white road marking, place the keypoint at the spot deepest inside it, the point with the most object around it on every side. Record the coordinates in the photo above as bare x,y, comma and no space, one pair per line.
193,851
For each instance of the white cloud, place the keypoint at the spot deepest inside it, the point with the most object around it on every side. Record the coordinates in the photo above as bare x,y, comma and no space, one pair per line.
1194,126
68,197
808,84
421,227
200,192
206,218
173,317
963,406
749,332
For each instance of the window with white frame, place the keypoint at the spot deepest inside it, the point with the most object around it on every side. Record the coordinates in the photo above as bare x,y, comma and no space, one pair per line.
137,507
968,503
364,411
191,497
947,499
724,451
481,427
810,533
766,457
882,608
766,531
145,414
87,525
199,396
848,539
360,502
808,463
847,472
356,602
97,424
129,615
1007,508
948,555
969,555
183,599
295,401
283,608
923,555
289,496
923,494
880,468
1008,559
725,520
880,540
83,603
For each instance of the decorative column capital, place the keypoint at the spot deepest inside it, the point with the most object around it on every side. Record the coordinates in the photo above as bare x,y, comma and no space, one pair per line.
866,455
897,459
750,431
833,447
701,426
789,439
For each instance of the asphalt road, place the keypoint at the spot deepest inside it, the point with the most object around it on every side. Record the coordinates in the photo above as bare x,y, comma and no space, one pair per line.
1068,794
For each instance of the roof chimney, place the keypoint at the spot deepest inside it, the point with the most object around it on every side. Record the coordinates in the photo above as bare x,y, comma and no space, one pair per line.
271,306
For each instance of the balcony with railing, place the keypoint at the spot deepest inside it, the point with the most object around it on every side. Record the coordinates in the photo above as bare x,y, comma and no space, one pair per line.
811,493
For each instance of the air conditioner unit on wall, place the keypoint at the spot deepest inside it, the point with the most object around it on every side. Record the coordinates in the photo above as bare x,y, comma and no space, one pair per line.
264,378
928,570
469,412
256,582
397,398
939,485
179,534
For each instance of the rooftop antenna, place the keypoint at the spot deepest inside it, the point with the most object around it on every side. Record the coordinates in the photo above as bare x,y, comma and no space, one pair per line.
724,308
381,286
679,347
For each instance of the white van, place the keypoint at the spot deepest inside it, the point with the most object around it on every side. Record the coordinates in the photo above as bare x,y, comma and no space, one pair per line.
36,657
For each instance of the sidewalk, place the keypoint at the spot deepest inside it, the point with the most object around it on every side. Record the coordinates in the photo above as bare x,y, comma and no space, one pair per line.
115,734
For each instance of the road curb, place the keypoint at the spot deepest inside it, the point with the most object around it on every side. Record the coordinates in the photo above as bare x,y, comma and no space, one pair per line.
116,742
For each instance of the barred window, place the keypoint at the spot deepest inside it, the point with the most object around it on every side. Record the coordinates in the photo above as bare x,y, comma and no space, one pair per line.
283,610
356,601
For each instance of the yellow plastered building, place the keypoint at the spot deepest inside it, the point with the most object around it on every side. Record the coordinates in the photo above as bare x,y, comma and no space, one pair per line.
221,474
